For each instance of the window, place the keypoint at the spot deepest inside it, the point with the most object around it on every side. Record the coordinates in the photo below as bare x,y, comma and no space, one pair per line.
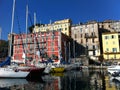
81,30
119,36
65,28
93,40
93,46
107,49
52,43
106,43
86,35
113,42
86,40
113,36
106,37
81,35
81,41
52,49
86,30
75,36
93,33
114,49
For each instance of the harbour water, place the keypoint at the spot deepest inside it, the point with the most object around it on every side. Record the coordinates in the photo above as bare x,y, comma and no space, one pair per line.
71,80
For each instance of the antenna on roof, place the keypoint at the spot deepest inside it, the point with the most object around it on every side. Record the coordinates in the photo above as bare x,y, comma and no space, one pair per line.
50,21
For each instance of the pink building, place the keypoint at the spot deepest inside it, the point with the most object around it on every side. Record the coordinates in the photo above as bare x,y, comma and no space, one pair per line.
41,45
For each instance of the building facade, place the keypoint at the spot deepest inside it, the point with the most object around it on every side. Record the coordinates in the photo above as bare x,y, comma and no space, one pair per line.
111,25
88,36
111,46
63,25
41,45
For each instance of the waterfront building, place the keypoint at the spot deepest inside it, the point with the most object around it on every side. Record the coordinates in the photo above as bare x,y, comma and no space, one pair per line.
63,25
42,45
88,36
111,43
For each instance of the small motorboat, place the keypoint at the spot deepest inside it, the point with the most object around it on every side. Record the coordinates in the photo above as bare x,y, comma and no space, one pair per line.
112,69
58,69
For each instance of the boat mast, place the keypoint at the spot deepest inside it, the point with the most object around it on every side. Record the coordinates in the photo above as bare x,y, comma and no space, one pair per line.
26,35
0,34
69,53
12,28
26,18
35,35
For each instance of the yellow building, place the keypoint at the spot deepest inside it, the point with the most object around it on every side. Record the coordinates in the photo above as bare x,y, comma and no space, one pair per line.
111,45
63,25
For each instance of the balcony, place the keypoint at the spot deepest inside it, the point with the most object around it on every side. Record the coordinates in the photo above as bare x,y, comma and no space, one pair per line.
90,35
91,48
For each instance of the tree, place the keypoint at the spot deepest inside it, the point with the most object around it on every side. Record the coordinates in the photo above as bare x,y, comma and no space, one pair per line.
3,48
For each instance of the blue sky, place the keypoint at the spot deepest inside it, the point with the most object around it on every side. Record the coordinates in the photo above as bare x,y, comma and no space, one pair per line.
46,10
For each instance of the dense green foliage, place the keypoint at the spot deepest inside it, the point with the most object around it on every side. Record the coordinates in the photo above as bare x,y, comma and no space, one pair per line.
3,48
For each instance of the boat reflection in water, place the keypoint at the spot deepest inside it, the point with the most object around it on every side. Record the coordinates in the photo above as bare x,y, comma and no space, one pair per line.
71,80
11,82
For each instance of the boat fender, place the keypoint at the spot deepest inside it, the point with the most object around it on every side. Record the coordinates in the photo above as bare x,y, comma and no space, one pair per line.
49,64
16,70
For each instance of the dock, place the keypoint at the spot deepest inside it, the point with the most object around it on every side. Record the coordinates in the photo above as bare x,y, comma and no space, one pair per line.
97,67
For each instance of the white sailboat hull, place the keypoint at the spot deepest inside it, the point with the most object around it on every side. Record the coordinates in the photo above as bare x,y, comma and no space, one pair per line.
11,73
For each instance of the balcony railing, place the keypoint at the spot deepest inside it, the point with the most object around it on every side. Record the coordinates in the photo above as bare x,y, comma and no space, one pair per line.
90,36
91,48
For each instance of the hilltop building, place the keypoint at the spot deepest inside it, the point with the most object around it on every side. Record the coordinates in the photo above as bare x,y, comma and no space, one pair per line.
63,25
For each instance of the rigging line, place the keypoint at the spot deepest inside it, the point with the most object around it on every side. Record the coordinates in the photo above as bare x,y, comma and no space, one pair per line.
29,15
20,31
18,22
36,36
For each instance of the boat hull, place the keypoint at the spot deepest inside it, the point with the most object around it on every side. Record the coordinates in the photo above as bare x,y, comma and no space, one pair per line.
11,73
35,72
58,69
113,69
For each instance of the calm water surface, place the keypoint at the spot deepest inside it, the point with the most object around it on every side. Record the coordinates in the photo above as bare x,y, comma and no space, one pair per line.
71,80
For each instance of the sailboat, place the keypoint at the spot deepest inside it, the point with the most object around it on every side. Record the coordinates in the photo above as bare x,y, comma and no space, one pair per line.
12,73
9,72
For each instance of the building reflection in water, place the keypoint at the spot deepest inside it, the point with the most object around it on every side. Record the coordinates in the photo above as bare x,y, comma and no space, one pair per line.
72,80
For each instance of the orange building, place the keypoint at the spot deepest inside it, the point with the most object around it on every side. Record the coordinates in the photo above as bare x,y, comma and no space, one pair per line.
41,45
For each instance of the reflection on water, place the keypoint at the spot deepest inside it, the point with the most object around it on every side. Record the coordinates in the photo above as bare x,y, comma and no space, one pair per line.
71,80
10,82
